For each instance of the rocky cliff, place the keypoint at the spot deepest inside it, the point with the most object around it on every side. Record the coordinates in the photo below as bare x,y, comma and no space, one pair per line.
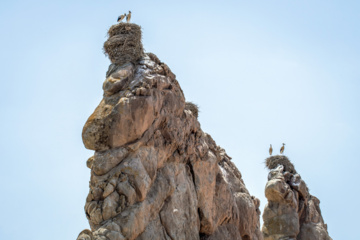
291,212
155,174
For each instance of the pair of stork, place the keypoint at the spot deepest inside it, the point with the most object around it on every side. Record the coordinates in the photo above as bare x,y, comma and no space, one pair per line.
281,149
128,17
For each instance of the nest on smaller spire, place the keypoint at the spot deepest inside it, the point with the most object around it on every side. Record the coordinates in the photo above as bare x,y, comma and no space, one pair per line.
124,43
274,161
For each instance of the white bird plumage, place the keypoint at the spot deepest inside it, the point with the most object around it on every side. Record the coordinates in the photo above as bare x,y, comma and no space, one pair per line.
121,17
128,17
282,148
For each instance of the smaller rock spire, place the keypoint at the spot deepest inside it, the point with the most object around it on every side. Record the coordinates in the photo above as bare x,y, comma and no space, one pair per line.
292,212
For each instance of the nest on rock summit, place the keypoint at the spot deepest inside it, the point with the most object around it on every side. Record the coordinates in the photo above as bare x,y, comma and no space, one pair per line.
193,108
274,161
124,43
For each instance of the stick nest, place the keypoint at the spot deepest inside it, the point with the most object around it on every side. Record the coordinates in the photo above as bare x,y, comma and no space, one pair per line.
273,161
193,108
124,43
153,57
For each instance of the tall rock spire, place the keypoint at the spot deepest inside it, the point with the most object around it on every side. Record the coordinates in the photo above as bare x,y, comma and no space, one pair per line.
155,174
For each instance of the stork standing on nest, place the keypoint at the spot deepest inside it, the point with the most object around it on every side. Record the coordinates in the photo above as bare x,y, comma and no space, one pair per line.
282,148
128,17
270,150
121,17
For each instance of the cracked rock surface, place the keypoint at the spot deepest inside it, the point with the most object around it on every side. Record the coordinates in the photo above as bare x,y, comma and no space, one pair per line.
155,174
291,213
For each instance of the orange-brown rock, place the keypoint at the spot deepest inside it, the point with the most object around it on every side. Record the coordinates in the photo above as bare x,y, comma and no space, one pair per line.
155,174
291,212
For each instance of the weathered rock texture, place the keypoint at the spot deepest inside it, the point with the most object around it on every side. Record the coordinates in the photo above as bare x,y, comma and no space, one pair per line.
292,212
155,174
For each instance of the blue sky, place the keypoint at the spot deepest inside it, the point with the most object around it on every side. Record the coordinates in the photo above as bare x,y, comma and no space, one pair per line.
261,71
